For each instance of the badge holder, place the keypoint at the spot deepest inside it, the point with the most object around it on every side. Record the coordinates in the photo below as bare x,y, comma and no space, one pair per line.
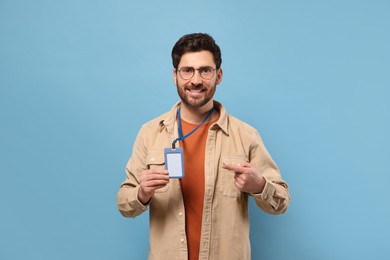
174,162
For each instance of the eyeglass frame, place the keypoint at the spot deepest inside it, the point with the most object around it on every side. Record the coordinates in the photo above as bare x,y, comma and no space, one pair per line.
198,69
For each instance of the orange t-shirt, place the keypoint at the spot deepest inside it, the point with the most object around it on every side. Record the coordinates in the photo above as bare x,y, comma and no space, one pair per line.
192,184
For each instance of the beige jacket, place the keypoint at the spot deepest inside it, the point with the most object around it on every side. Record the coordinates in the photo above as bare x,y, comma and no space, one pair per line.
225,223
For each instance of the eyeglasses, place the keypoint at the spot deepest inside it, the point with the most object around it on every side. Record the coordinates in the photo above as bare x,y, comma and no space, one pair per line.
188,72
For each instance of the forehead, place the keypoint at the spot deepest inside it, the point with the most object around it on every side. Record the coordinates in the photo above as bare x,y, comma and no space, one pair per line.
197,59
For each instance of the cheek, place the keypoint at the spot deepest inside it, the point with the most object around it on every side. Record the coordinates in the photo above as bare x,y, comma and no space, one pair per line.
182,83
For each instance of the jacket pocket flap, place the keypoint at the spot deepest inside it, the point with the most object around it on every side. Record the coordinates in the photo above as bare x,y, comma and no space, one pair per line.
155,157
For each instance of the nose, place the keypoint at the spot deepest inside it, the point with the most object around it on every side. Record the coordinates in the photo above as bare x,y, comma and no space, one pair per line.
196,79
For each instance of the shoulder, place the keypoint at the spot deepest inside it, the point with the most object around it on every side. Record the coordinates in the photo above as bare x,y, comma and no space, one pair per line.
165,119
237,124
240,130
151,135
157,120
230,124
155,125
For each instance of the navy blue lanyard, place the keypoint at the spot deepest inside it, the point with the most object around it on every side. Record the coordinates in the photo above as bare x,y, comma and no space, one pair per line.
181,137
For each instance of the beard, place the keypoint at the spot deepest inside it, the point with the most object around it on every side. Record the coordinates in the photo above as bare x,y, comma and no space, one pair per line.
195,102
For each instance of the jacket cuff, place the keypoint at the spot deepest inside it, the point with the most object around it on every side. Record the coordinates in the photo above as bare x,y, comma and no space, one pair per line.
268,191
136,204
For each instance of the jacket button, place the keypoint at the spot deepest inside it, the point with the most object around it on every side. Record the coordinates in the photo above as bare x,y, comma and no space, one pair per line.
182,240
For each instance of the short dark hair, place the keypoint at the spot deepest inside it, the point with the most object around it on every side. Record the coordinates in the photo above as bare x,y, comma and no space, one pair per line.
196,42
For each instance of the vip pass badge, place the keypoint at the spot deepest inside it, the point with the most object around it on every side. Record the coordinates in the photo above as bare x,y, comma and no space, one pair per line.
174,158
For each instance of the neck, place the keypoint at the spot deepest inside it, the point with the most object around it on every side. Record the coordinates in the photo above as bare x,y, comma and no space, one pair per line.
195,115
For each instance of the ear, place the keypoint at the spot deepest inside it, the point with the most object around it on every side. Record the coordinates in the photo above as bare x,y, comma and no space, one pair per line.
175,76
219,76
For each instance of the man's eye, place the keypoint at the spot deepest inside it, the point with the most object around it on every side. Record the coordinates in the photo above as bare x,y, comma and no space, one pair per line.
186,70
206,70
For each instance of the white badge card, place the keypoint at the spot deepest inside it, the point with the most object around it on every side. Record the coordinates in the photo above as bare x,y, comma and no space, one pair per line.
174,162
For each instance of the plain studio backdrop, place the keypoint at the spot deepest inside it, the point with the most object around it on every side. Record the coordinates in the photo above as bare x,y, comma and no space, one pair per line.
79,78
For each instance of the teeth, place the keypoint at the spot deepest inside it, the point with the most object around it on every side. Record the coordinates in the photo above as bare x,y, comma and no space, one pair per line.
196,90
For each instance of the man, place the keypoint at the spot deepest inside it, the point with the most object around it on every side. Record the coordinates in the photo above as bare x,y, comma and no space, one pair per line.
203,215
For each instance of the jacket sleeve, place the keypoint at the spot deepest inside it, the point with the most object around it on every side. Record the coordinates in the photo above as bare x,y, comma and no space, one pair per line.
275,198
127,197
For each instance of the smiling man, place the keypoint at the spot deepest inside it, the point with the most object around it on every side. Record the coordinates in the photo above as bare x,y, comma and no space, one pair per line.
222,161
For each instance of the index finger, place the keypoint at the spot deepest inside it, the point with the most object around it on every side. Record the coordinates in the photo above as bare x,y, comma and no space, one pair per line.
235,168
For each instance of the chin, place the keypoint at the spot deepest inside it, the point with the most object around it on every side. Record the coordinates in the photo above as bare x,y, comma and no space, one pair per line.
196,103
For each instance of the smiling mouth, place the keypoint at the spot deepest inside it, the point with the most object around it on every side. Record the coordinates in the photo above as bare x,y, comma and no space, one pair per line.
195,90
196,93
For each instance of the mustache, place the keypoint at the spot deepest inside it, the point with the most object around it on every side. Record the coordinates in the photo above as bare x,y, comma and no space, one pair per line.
198,86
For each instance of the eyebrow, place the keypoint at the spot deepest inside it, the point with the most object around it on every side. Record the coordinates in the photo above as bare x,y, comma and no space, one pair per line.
201,67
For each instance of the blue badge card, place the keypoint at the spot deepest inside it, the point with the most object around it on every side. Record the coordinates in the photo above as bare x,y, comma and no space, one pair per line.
174,162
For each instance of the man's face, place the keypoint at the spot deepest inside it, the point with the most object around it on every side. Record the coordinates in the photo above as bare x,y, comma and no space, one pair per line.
197,91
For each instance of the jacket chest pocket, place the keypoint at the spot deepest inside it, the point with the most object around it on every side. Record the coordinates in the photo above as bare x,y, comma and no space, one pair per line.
155,161
225,181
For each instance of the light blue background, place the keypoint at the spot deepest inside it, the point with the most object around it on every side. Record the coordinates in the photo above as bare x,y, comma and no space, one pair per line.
78,79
